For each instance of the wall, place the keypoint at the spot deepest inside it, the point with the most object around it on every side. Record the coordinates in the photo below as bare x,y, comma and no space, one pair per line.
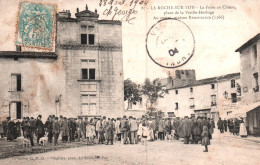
225,104
248,68
107,52
202,99
42,83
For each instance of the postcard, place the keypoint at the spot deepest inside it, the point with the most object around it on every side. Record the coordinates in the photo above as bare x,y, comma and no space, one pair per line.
129,82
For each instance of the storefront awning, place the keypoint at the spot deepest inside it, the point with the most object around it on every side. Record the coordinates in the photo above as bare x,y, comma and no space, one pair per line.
241,112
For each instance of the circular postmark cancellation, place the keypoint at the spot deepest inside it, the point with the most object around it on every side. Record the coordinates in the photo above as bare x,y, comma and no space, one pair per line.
170,43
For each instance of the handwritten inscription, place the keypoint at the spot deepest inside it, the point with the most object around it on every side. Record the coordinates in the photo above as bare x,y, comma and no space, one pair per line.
124,10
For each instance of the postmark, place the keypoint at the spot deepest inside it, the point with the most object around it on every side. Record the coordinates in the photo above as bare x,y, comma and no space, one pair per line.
36,25
170,43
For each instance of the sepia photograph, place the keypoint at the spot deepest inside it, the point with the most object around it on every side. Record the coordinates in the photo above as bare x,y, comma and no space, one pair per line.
143,82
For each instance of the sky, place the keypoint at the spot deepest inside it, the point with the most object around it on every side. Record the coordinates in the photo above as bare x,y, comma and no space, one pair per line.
215,40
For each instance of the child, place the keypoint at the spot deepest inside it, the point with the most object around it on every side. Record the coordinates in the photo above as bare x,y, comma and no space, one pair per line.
205,138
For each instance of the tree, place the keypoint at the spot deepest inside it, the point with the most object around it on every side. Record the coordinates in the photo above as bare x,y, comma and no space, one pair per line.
152,90
131,92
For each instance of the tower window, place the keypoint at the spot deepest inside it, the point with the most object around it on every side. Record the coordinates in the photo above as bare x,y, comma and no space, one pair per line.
91,39
83,38
84,73
92,74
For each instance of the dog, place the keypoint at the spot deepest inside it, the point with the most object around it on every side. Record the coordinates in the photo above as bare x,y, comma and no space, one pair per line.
181,139
23,141
20,140
43,140
26,143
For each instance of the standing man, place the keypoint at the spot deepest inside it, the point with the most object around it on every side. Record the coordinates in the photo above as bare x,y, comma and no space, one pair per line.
48,126
10,129
39,128
153,126
186,129
225,124
118,132
64,130
110,128
32,124
56,130
98,125
83,127
124,128
28,131
220,125
133,130
103,123
161,127
78,126
72,129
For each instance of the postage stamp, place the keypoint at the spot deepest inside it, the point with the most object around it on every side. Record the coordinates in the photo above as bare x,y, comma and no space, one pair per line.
170,43
36,25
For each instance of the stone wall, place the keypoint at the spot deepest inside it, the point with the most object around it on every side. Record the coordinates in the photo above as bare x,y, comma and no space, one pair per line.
42,82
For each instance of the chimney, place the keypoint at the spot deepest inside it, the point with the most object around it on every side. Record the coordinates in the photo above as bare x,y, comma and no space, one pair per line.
95,10
86,6
18,48
77,9
64,14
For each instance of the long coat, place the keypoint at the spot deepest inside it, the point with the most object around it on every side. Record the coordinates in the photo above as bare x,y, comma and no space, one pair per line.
64,128
195,130
220,124
110,130
40,128
185,128
56,127
161,126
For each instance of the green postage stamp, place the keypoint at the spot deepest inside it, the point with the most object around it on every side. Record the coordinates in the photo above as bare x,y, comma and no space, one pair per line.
36,25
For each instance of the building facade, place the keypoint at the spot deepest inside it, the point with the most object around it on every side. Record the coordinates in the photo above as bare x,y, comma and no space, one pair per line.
212,97
84,76
250,69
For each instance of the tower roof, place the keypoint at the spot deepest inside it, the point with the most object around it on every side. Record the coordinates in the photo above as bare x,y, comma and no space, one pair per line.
87,13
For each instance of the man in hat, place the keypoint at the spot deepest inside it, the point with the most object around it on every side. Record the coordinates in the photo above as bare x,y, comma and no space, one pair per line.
118,132
103,124
161,129
186,129
124,128
48,126
78,127
64,130
133,130
28,130
10,129
32,124
39,128
72,129
56,130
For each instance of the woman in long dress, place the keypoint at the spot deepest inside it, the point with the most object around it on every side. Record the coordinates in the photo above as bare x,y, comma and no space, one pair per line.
242,129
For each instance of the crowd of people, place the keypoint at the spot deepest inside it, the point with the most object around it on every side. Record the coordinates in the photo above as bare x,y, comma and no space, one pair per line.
234,126
128,130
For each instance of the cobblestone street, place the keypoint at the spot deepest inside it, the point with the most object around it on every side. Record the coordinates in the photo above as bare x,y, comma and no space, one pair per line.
224,149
